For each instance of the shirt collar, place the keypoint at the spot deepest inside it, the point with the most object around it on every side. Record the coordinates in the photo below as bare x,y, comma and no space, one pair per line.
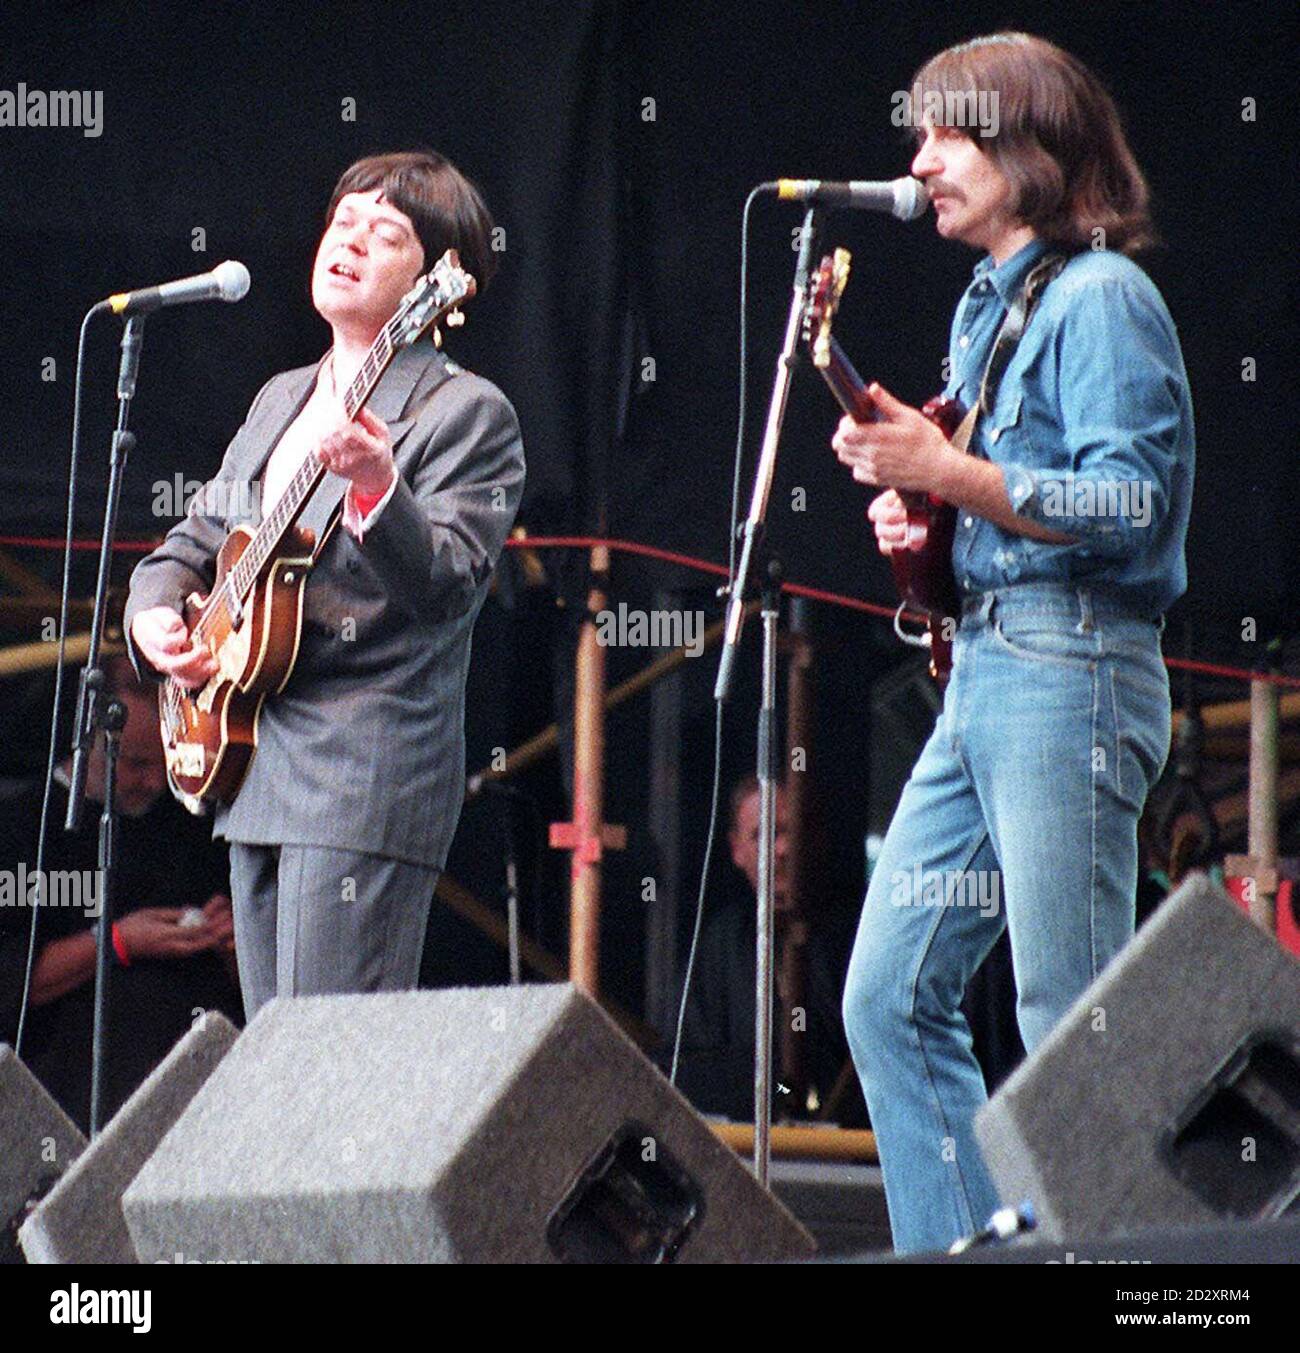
1007,277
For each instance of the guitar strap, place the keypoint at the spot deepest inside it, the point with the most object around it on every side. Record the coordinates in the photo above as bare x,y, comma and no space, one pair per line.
336,514
1008,339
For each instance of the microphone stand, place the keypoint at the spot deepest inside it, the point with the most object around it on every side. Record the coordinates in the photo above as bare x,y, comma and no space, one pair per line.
764,956
752,534
90,714
510,796
512,894
752,531
114,720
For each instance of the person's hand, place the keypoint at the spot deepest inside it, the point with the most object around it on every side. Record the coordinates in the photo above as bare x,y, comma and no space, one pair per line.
888,515
157,932
361,451
218,914
904,450
162,639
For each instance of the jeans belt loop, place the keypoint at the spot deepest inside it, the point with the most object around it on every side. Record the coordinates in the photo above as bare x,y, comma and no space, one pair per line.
1085,611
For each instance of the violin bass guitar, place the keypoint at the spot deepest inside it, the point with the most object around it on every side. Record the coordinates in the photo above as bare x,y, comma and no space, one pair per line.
251,620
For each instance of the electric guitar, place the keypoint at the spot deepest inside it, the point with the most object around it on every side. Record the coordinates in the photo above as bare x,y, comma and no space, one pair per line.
251,621
922,567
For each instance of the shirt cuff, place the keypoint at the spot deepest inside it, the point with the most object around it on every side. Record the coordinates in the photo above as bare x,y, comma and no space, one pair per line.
361,509
1022,490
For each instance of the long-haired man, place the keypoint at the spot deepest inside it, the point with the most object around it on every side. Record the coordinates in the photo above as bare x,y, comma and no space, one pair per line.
1072,514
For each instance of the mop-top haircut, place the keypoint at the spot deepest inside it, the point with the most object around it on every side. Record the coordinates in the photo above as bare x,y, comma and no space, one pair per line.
445,207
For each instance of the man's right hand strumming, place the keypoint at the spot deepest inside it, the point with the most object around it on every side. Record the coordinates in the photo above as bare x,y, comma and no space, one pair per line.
160,635
889,517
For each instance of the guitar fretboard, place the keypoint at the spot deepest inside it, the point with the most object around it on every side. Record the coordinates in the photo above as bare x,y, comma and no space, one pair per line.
266,541
849,389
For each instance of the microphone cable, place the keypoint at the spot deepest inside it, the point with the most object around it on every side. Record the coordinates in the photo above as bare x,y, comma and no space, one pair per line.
716,793
64,595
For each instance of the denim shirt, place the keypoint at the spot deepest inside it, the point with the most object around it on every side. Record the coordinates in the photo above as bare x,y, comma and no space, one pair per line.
1092,428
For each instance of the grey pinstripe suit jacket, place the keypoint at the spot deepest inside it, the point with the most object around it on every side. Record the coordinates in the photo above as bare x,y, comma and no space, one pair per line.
365,748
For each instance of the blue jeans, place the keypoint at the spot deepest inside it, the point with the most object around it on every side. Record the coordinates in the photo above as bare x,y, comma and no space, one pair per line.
1021,811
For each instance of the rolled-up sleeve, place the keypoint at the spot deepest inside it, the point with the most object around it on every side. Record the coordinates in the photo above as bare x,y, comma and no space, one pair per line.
1120,388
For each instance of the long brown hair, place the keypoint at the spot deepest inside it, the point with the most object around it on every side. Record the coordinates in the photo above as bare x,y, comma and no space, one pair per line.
1059,139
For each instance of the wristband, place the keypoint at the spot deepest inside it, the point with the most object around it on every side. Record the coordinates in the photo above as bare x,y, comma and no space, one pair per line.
119,946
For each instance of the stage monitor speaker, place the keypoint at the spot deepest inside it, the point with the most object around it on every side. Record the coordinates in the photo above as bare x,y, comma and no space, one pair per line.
80,1220
1169,1095
1262,1242
499,1124
38,1142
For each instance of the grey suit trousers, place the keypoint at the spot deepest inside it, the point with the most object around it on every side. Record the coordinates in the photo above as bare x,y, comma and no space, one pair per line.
311,920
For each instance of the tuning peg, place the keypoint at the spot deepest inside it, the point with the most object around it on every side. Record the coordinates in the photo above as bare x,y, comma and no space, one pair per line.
455,318
437,337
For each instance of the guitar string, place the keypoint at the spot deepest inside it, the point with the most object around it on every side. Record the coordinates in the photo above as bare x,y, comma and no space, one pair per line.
249,564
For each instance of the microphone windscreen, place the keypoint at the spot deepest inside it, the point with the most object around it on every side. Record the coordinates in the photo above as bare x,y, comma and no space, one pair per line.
233,280
911,198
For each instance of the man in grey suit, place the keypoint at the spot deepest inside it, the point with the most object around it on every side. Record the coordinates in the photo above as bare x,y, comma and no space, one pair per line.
343,822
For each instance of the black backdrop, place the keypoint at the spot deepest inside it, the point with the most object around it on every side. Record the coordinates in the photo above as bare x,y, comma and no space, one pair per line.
615,144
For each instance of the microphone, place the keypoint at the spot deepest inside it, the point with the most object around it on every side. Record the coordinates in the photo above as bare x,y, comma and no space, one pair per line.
228,281
906,198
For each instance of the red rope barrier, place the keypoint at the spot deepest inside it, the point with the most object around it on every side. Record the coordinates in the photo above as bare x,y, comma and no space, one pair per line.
699,565
86,543
1235,673
683,561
